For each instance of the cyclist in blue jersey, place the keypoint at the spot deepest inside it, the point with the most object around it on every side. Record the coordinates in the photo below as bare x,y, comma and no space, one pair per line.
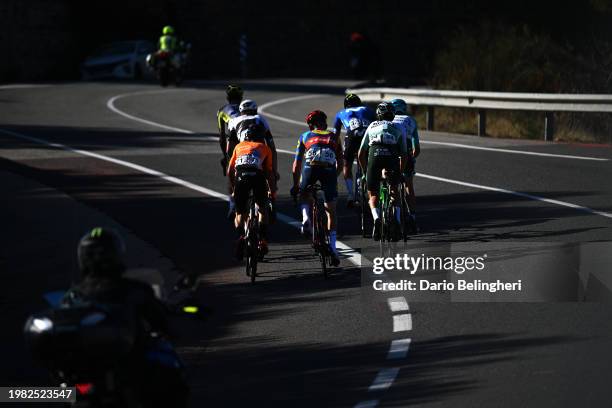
409,124
318,157
354,118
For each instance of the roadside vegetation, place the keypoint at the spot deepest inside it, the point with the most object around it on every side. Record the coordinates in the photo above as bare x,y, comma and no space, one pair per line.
504,58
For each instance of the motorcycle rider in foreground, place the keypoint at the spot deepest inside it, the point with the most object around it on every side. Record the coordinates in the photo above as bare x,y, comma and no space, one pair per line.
100,257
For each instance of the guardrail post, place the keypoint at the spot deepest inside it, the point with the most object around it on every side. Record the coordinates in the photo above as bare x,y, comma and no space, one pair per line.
549,126
482,122
429,118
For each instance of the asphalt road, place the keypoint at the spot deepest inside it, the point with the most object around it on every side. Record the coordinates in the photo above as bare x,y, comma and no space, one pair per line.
294,338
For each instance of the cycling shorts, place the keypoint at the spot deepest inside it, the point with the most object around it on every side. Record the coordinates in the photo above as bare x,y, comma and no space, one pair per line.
352,141
247,180
375,166
326,175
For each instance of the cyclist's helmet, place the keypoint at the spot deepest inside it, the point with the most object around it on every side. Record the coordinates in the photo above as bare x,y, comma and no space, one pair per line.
316,119
168,30
400,107
248,106
384,111
100,253
352,101
234,93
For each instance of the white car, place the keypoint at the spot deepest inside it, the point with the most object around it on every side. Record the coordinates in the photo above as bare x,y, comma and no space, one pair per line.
120,60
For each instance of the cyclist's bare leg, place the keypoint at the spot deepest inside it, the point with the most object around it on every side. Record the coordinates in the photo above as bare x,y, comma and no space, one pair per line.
239,222
411,195
347,172
330,209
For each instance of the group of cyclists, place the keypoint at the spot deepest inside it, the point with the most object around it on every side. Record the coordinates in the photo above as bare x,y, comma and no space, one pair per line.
385,143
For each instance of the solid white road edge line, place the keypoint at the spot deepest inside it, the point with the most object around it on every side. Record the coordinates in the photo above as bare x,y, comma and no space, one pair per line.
354,256
262,109
497,149
111,106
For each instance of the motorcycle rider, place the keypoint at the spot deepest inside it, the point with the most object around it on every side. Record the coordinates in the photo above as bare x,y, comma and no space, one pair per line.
100,258
168,43
228,111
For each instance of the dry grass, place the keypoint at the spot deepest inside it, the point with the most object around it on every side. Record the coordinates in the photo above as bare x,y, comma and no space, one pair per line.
522,125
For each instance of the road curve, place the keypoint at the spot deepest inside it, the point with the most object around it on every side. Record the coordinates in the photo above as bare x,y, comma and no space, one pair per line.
294,337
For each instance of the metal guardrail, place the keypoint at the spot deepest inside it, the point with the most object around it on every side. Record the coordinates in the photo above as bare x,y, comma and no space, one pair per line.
483,101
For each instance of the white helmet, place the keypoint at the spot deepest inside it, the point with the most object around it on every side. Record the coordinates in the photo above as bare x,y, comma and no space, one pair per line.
248,105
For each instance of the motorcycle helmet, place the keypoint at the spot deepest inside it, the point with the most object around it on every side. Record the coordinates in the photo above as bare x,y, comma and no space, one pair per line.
168,30
100,253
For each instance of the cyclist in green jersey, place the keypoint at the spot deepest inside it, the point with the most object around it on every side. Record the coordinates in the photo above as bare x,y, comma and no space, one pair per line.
383,148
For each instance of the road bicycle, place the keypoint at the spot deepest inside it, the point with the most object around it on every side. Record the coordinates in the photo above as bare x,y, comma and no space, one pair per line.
251,237
320,234
386,205
360,193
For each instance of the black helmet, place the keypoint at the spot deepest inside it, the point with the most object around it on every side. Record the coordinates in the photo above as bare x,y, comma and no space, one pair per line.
352,101
384,111
100,253
234,92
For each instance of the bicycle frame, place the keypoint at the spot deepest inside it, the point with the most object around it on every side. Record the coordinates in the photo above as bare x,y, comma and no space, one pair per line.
251,236
320,234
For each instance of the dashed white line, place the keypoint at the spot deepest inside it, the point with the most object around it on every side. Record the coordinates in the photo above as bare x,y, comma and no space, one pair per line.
367,404
384,379
402,322
399,349
398,304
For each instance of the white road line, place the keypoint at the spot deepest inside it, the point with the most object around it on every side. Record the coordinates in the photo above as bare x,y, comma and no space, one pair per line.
110,105
262,108
402,322
367,404
399,349
351,254
518,194
384,379
497,149
398,304
24,86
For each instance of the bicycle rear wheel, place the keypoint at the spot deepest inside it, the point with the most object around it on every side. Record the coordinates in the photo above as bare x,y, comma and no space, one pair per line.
320,243
252,242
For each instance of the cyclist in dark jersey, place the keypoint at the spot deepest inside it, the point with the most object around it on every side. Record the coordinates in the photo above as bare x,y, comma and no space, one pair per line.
383,148
228,111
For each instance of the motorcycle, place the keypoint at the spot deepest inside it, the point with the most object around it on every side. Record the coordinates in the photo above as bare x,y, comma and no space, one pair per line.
89,346
169,67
